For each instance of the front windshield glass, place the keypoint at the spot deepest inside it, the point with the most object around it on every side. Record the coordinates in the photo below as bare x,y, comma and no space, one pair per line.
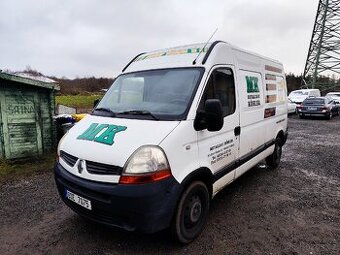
158,94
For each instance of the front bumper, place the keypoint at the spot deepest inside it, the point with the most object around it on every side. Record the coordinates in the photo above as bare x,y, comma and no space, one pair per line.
146,208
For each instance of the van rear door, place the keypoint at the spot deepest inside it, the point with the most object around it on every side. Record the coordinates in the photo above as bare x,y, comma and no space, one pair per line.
218,151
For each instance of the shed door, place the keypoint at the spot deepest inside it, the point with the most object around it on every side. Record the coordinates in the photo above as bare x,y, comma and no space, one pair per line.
20,117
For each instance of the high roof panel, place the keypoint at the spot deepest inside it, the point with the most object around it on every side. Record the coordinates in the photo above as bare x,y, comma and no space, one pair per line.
179,56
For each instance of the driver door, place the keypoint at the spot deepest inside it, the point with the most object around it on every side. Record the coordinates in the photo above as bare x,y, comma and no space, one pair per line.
219,150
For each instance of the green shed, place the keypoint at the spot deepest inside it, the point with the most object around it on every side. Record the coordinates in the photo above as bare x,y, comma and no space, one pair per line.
26,116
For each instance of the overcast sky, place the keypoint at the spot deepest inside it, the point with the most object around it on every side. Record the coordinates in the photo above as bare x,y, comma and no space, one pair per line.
97,38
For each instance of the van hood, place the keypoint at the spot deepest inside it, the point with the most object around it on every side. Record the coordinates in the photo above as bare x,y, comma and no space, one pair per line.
113,140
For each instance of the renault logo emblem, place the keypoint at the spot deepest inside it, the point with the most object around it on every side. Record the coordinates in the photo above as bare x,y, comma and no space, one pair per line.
81,166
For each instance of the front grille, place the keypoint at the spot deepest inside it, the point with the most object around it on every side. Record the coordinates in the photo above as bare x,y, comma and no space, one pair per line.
102,169
69,159
92,167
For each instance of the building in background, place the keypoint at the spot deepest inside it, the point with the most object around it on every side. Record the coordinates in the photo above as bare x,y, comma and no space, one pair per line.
26,115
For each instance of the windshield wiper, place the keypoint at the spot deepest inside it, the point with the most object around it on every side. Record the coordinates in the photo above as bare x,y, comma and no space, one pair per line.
138,112
102,109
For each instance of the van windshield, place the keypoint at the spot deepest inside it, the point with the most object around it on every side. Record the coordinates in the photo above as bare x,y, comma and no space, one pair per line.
164,94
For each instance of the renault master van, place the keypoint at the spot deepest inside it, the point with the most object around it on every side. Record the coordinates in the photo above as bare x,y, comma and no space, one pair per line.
175,127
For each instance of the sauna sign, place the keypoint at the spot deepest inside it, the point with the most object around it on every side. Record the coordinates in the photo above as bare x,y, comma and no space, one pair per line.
20,109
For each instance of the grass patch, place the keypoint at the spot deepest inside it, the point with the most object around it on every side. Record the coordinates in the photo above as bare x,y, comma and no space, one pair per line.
82,101
15,169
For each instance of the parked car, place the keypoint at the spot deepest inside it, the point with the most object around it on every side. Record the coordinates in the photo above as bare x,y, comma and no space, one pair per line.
291,107
297,96
318,106
335,96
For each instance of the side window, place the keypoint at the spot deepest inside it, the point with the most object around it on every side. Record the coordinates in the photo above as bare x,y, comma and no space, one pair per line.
221,86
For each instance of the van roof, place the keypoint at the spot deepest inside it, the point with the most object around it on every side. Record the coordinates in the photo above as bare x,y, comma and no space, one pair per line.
184,56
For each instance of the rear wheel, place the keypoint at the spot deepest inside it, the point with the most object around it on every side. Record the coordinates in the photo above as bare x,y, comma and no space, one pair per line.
274,159
192,213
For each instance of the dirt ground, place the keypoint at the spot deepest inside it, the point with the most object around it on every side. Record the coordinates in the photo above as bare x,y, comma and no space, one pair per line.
292,210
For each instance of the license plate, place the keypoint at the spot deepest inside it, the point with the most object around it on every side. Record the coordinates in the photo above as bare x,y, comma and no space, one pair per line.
78,199
312,108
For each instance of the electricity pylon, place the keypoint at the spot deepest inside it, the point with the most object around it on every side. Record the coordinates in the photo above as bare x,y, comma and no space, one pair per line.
324,50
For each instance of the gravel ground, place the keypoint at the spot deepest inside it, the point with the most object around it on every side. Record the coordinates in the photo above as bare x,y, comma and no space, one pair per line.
292,210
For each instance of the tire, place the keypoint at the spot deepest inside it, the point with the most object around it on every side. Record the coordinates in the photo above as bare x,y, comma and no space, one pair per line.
330,116
192,213
301,116
273,161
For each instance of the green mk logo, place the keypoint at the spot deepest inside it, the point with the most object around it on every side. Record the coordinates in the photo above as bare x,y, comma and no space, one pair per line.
107,136
252,84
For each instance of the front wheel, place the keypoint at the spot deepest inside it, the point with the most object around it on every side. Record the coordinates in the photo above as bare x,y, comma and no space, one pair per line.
192,213
274,159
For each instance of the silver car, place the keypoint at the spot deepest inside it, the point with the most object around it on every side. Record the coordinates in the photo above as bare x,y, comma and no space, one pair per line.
318,106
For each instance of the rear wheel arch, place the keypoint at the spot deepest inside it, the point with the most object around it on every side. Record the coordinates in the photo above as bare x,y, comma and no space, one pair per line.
281,136
274,159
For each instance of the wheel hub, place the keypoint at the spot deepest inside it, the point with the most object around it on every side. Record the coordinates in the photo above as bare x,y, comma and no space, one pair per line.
196,210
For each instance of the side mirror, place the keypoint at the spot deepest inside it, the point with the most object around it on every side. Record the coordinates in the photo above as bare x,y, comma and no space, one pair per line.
211,118
95,102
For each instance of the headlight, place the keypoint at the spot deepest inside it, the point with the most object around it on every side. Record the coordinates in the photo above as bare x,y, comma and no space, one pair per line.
147,164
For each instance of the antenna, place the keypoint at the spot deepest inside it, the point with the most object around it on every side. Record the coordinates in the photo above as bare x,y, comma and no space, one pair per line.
194,62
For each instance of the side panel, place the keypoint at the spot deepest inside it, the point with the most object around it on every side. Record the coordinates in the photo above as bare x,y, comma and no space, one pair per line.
263,106
251,115
180,146
276,99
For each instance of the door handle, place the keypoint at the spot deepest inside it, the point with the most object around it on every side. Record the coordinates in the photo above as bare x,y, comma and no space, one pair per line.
237,131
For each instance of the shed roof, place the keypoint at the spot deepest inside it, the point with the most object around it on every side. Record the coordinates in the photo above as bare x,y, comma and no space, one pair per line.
29,81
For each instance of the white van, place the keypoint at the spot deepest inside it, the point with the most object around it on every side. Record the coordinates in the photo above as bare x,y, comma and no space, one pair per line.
334,96
176,126
298,96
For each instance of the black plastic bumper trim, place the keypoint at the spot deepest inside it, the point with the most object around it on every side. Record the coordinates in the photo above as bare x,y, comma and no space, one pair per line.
242,160
146,208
